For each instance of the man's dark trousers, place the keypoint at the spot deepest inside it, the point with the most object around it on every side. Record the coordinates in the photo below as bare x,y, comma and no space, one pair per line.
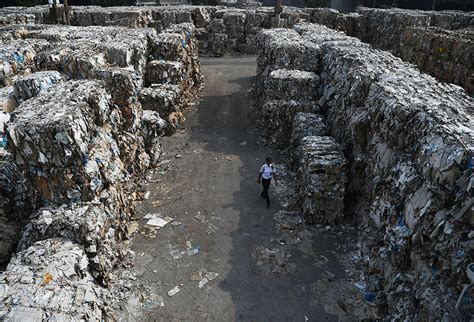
266,185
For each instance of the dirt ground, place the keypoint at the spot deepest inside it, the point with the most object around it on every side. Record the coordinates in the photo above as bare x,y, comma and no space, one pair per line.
224,254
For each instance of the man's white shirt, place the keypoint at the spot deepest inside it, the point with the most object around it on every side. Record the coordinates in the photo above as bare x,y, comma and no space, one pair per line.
267,171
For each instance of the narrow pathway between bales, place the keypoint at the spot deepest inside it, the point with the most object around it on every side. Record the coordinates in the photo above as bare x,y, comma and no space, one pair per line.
224,255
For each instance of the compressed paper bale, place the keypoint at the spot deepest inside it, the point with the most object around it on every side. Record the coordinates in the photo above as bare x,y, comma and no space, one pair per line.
217,26
256,19
127,54
201,17
15,57
183,16
123,84
217,44
180,45
292,18
306,124
32,85
451,20
322,166
164,72
278,117
291,84
324,16
167,100
168,46
16,18
251,44
235,24
50,276
74,63
443,54
165,17
87,224
8,102
78,51
9,233
15,188
284,48
386,27
51,137
409,149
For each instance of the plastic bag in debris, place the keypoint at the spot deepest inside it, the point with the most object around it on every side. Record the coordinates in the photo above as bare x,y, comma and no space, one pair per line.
71,292
278,116
322,177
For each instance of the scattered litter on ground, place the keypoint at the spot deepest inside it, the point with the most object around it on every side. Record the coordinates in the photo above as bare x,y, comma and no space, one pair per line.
174,291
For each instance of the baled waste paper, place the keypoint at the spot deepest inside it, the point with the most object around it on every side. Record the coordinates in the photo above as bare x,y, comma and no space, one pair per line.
97,228
278,116
50,279
291,84
303,125
322,176
30,86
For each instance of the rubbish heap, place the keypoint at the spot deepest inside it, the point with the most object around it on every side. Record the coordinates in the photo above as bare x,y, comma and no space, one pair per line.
66,142
50,281
278,116
303,125
78,138
291,84
436,41
433,49
289,108
322,179
32,85
223,29
92,225
409,141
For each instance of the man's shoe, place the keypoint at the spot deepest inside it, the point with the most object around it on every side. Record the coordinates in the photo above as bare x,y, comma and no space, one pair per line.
268,205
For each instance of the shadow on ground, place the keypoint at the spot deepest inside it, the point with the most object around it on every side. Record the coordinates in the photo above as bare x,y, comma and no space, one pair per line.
211,193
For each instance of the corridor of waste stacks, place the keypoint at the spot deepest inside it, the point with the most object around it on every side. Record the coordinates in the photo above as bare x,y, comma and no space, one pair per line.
225,255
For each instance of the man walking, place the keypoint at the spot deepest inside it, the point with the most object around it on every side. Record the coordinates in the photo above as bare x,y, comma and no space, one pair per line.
265,176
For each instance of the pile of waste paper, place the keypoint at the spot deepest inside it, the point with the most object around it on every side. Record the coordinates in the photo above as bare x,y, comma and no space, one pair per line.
75,137
322,179
408,141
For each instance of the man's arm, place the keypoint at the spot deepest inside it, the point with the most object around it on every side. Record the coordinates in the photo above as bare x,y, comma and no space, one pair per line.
259,177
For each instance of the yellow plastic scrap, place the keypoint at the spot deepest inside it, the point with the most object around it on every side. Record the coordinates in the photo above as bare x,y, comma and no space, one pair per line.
46,279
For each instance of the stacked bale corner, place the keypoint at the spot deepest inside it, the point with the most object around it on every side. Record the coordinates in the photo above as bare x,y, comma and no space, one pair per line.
322,179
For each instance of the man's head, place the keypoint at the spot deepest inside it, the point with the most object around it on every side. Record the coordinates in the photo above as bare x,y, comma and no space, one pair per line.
268,160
